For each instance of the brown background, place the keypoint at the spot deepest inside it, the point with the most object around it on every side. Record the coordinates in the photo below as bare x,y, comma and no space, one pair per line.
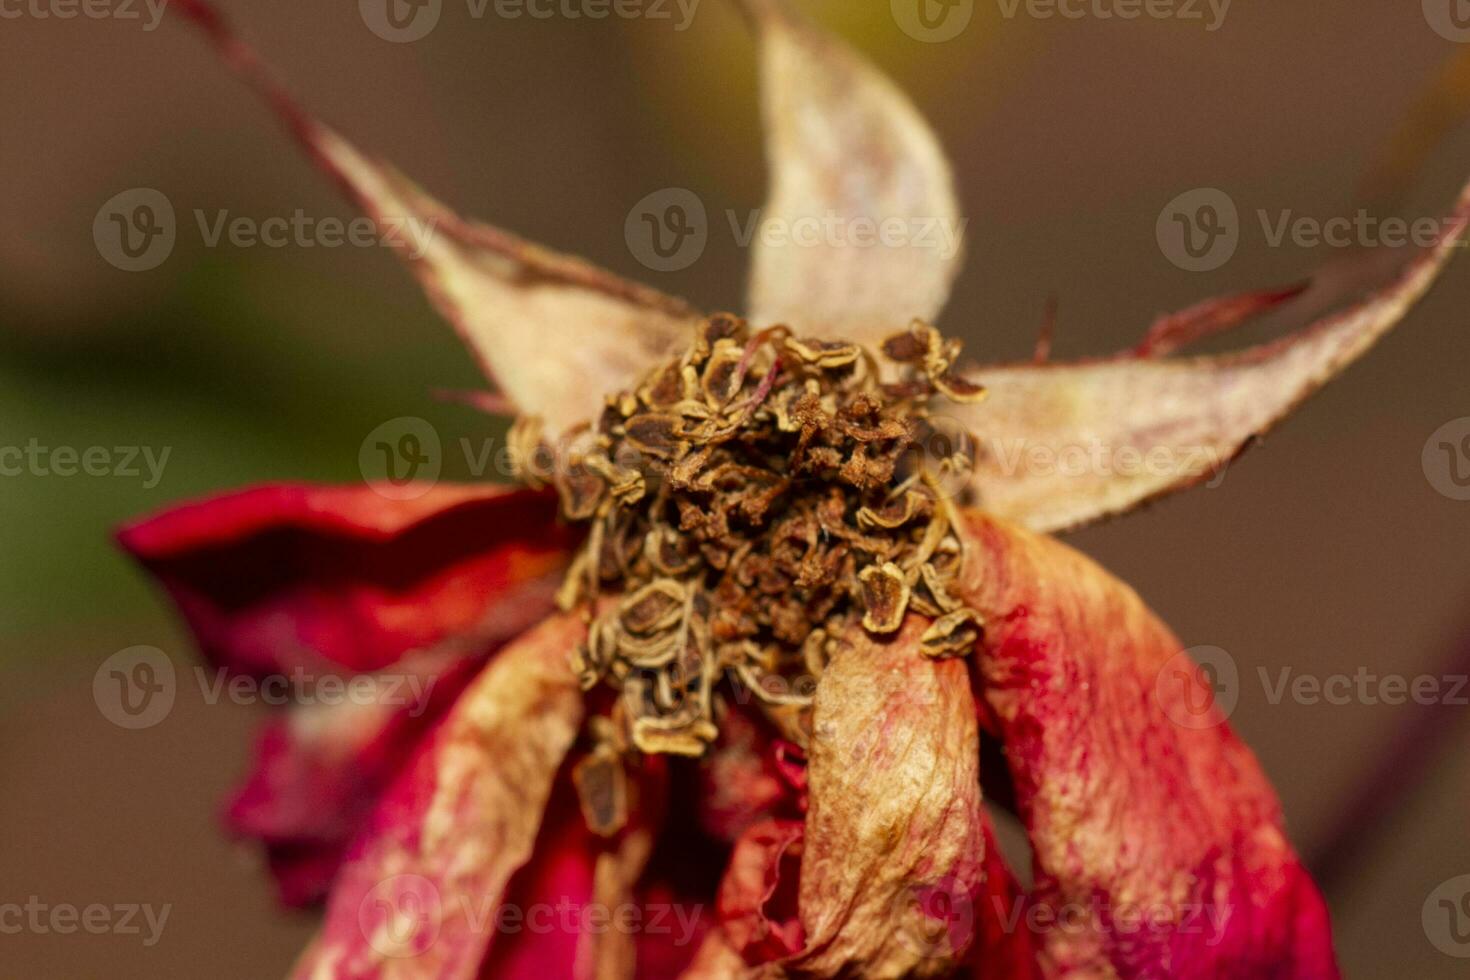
1325,550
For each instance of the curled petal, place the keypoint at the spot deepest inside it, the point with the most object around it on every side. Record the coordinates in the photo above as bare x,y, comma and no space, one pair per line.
894,838
555,332
421,894
849,154
573,911
759,922
1067,444
1159,845
291,577
319,769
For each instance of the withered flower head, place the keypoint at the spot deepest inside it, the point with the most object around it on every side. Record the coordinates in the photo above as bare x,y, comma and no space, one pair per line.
795,593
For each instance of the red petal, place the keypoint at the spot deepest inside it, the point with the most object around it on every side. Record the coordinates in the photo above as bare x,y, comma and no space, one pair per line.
318,771
757,902
1130,814
422,892
292,576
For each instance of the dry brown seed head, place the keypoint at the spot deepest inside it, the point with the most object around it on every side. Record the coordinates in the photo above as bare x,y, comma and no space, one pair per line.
750,499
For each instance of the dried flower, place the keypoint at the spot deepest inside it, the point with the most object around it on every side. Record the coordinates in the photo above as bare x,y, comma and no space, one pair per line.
797,571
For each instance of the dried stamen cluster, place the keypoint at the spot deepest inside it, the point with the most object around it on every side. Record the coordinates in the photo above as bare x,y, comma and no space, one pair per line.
748,502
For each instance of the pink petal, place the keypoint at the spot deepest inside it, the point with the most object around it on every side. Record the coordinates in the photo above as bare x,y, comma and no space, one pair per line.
1158,843
421,893
319,770
554,331
847,150
1064,445
286,577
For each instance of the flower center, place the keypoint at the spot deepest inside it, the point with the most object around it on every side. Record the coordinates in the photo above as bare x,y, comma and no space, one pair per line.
749,501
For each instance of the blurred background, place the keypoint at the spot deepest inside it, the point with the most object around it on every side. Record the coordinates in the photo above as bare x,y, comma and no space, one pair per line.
1333,548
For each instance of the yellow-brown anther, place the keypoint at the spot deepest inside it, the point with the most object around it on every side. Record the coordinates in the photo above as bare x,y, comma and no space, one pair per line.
747,500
